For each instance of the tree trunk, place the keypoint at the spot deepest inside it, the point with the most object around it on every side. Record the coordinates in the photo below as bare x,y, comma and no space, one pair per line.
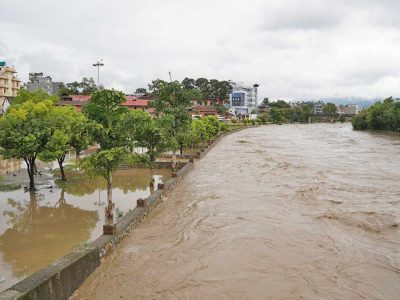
173,161
34,167
60,163
151,179
110,204
30,164
181,150
77,157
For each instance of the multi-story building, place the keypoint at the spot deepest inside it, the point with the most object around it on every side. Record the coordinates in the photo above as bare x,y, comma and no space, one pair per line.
39,82
318,108
9,85
244,99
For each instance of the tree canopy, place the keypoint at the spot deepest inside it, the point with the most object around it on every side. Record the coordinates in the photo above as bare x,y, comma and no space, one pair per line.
380,116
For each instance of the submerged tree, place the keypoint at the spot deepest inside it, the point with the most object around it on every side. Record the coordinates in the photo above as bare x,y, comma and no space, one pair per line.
149,135
172,103
69,131
104,163
105,107
24,133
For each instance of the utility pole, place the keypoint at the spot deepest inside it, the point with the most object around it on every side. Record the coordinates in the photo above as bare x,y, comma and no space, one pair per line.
170,77
98,64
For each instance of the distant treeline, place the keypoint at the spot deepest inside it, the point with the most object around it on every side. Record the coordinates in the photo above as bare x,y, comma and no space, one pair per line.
380,116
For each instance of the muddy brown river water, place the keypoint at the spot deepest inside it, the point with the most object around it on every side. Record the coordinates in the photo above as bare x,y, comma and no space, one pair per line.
275,212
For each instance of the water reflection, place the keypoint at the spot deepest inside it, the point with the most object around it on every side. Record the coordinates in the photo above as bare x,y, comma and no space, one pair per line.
38,235
127,181
37,229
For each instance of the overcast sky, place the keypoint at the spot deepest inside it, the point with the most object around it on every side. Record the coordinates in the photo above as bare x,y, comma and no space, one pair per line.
295,49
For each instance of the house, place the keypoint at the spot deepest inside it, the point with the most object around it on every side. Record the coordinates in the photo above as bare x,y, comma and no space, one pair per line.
350,109
79,101
203,110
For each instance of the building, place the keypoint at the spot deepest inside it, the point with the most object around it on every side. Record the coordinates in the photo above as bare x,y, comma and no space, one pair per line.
243,99
78,101
39,82
318,108
350,109
203,110
9,85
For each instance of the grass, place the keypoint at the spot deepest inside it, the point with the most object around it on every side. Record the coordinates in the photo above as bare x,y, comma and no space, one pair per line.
4,187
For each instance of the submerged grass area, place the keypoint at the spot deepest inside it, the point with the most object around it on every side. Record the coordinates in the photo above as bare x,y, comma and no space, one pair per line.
9,187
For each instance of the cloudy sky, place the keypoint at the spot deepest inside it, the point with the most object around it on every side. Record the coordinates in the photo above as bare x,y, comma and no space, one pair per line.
295,49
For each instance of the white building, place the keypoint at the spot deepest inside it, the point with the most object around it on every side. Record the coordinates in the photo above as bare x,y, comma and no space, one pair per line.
243,99
318,108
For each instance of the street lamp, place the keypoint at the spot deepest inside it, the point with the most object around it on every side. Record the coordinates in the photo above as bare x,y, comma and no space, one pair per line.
98,65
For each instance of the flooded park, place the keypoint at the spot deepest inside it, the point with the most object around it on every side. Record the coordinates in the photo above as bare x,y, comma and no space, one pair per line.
37,228
274,212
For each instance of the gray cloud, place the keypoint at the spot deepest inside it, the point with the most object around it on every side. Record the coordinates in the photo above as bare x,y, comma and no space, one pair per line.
292,48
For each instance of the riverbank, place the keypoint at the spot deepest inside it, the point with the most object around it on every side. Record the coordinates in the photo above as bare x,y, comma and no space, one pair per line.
61,278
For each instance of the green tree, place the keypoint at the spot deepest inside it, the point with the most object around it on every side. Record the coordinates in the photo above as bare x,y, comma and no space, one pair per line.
58,143
189,83
24,95
212,125
148,133
329,109
141,91
104,163
204,86
105,108
198,132
277,115
85,87
69,130
172,102
264,117
24,133
279,104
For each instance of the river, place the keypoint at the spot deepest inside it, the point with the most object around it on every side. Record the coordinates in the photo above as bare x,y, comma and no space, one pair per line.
274,212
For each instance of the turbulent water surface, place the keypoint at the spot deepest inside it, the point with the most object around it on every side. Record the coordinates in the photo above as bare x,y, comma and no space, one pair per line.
276,212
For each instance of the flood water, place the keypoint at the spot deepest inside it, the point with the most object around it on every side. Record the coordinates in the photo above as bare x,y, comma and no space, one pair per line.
38,228
275,212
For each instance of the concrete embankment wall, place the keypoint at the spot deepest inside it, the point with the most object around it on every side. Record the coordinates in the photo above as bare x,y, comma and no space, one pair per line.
60,279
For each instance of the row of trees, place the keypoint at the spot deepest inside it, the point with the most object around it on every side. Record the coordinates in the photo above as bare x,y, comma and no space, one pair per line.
36,127
213,89
281,111
380,116
86,86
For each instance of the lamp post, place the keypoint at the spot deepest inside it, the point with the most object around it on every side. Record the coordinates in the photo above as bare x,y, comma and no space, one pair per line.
98,64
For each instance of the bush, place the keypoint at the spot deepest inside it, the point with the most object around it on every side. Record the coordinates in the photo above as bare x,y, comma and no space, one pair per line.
359,122
263,118
212,125
224,127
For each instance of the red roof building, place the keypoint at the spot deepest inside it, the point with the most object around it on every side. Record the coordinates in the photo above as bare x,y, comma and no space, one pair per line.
79,101
204,110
